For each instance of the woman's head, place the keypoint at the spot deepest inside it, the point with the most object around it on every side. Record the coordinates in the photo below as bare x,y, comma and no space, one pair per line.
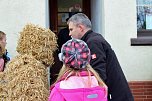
76,57
75,54
3,39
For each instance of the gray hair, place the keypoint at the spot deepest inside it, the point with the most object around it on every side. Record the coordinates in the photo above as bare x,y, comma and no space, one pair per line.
80,18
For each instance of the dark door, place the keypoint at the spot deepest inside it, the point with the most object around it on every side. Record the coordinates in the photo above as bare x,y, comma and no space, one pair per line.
59,10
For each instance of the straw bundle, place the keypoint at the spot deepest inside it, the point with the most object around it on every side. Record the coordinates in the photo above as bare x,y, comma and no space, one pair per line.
1,76
3,90
40,42
26,79
25,76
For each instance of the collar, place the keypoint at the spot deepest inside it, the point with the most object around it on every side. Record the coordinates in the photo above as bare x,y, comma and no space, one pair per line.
82,73
85,73
86,34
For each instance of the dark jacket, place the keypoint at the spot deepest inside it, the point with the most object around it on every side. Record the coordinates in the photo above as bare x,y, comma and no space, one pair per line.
105,62
63,37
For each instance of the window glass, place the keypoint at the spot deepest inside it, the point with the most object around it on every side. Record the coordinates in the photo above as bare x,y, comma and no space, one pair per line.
69,5
144,14
66,8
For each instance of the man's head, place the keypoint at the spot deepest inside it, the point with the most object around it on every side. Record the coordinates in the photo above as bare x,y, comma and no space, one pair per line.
79,24
75,54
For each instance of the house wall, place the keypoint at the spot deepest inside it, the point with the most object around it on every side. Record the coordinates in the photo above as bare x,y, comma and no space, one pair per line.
136,61
120,27
117,24
142,90
114,19
15,14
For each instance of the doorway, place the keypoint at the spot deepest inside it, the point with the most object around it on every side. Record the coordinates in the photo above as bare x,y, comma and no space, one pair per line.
59,11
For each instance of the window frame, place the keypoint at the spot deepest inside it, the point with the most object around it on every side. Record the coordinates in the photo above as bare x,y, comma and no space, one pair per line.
144,37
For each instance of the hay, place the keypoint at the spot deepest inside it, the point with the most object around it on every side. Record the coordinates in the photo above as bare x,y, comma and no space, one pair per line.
26,79
38,41
3,87
25,76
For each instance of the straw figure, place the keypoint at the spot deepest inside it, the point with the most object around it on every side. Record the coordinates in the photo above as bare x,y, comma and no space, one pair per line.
26,75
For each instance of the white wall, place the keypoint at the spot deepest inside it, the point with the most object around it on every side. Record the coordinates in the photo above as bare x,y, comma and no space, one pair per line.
15,14
120,26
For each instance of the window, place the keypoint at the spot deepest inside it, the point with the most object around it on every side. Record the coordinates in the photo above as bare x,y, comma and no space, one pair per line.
144,14
66,8
144,23
60,10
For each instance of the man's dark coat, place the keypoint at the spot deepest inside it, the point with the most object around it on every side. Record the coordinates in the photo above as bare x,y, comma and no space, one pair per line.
105,62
